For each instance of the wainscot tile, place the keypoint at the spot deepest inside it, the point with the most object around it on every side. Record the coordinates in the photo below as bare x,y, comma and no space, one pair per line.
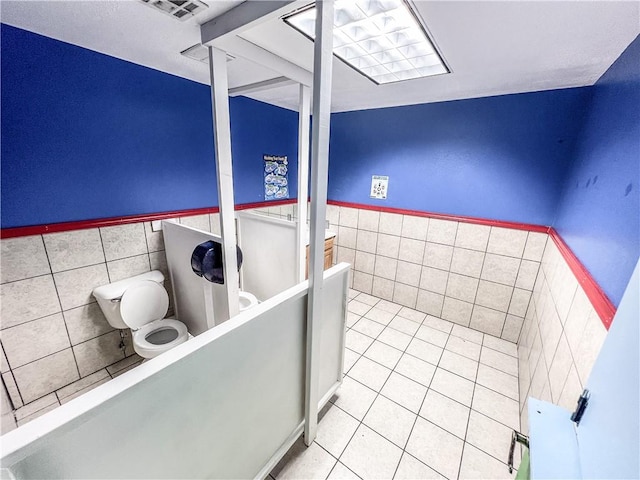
507,241
366,241
461,287
21,258
347,237
411,250
535,246
388,245
415,227
383,288
473,237
36,339
155,240
364,262
201,222
500,269
430,303
405,295
46,375
408,273
128,267
457,311
97,353
74,249
17,303
363,282
434,280
437,256
75,287
123,241
390,223
349,217
467,262
86,322
368,220
442,231
494,295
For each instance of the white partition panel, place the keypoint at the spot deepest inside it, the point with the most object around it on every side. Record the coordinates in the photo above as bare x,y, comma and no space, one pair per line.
192,294
331,351
269,248
226,404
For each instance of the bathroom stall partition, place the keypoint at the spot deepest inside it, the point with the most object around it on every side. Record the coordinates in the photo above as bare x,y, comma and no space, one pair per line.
269,248
227,404
199,304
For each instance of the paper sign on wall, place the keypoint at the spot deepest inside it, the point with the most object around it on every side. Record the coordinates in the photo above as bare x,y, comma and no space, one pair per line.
379,185
276,177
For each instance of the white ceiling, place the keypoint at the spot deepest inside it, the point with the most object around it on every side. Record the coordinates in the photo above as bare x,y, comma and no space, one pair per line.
493,48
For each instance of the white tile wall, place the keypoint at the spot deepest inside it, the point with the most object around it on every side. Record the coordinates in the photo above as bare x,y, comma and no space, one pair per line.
561,335
473,275
55,340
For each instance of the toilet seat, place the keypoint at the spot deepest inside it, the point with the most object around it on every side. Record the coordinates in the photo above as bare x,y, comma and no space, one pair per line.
143,303
142,309
147,349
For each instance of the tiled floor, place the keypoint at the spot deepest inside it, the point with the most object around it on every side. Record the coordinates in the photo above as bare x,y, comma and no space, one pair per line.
422,398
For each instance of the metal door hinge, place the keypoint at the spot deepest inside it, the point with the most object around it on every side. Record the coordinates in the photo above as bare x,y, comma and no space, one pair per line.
519,438
583,401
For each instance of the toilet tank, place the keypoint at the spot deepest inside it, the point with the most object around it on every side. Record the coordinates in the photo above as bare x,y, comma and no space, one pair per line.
108,296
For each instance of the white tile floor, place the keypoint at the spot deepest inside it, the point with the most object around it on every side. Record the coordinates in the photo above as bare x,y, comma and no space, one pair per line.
422,398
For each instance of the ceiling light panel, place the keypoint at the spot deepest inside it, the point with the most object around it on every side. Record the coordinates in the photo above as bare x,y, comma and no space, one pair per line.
382,39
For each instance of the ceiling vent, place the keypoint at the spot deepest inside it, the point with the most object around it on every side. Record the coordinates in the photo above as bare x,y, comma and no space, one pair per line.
179,9
200,53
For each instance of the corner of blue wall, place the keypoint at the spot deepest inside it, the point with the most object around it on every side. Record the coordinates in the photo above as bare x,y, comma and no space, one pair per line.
599,211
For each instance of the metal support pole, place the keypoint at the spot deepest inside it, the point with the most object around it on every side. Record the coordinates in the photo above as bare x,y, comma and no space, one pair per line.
322,65
222,136
304,121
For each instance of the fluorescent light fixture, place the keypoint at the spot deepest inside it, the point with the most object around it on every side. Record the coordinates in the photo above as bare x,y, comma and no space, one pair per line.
381,39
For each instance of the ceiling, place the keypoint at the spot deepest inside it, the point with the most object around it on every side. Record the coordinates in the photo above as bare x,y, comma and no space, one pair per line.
492,47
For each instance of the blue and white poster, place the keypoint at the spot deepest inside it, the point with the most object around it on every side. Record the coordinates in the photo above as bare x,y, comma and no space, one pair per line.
276,177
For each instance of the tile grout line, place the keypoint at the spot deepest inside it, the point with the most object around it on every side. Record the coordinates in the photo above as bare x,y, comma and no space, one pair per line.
64,319
438,366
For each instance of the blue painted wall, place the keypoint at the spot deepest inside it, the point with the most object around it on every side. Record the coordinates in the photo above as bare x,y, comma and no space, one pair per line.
86,136
500,157
599,214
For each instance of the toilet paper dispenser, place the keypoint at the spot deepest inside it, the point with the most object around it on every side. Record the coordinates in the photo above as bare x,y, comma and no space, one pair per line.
206,261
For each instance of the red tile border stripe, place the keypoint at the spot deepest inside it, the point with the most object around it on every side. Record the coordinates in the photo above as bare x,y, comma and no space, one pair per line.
110,222
601,303
456,218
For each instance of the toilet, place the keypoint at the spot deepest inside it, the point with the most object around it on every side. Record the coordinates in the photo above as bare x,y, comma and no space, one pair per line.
140,303
247,300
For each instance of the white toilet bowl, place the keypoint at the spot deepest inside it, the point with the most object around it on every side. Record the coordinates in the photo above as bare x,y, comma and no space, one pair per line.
247,300
140,303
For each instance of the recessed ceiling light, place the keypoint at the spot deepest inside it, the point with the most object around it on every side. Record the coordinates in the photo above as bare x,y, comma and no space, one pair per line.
381,39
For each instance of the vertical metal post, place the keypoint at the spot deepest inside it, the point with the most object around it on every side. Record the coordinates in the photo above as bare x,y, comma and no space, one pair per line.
322,58
222,136
304,117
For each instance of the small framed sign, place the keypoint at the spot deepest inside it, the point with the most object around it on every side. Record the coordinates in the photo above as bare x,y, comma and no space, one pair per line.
276,177
379,186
